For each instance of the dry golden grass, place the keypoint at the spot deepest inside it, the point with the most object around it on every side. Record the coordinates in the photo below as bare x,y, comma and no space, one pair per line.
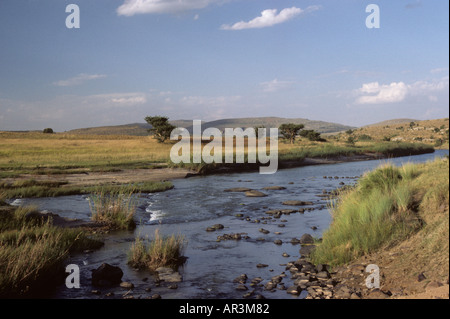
37,150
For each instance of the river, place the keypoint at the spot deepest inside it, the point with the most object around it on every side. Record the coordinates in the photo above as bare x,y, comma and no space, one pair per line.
197,203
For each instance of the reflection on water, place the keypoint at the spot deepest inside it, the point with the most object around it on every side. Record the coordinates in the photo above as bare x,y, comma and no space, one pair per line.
197,203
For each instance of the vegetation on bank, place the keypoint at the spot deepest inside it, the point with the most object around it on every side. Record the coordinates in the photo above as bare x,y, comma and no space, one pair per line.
33,251
31,188
387,206
159,252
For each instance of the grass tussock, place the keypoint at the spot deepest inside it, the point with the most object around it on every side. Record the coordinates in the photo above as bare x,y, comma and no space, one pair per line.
116,209
32,251
388,205
159,252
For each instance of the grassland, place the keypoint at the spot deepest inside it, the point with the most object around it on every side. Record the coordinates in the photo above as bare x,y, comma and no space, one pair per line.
34,164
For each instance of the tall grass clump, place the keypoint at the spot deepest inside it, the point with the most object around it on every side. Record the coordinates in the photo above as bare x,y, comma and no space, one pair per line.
33,250
381,210
161,251
116,208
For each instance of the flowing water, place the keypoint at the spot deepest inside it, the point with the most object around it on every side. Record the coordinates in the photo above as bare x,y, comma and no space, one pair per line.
197,203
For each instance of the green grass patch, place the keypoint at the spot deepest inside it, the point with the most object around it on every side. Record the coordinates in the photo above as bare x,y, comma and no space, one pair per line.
159,252
116,208
383,209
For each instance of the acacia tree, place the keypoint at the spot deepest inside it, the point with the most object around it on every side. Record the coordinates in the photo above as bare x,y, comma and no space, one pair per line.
290,131
161,128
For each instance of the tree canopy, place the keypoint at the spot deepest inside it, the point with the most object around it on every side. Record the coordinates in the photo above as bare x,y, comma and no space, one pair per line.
290,131
161,128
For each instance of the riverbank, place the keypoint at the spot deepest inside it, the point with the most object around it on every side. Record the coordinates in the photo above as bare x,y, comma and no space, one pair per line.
404,232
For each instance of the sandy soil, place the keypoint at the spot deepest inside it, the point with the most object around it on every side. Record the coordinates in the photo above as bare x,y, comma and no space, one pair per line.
122,177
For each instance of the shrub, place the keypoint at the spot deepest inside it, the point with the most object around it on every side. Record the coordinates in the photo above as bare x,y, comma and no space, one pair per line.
48,131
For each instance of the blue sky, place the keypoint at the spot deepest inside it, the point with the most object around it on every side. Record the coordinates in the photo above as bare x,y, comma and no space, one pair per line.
212,59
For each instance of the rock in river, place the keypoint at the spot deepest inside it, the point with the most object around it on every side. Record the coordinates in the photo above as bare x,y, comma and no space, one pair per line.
306,239
297,203
238,190
274,188
107,275
254,193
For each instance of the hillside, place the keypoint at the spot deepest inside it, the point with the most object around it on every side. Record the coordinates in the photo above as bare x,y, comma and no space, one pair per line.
140,129
433,132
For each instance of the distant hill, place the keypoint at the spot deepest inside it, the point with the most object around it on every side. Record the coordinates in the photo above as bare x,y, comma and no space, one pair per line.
393,122
140,129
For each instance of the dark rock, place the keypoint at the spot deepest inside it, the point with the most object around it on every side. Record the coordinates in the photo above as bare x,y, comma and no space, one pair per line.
242,279
306,239
107,275
305,251
274,188
421,277
297,203
156,296
173,286
324,275
238,190
278,242
295,241
264,231
242,288
262,265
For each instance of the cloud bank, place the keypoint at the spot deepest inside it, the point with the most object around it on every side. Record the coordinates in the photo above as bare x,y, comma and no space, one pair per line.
374,93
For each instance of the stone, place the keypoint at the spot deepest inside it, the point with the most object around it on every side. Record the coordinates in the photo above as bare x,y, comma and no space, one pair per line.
126,285
293,290
421,277
238,190
264,231
297,203
169,275
305,251
270,285
254,193
274,188
242,288
107,275
262,266
306,239
278,242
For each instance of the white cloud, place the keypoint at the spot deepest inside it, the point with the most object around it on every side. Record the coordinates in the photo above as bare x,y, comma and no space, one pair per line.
275,85
270,17
79,79
374,93
132,7
380,94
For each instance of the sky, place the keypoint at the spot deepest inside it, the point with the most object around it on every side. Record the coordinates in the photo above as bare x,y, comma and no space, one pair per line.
216,59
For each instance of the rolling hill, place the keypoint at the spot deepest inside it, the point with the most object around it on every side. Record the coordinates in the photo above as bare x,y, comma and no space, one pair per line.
140,129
